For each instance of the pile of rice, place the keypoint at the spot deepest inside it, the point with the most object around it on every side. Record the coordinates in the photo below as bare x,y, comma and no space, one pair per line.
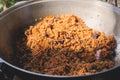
66,46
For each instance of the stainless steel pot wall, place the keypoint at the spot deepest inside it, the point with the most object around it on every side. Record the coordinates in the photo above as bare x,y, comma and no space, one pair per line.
98,15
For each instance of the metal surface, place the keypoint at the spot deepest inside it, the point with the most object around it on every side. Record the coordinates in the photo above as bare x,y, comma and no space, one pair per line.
96,14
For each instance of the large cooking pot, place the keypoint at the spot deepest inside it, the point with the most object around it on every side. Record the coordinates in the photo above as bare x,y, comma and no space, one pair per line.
96,14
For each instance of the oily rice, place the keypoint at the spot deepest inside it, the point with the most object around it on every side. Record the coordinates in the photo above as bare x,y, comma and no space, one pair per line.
64,45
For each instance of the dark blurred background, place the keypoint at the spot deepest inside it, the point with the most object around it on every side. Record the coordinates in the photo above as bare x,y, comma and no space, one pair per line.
4,4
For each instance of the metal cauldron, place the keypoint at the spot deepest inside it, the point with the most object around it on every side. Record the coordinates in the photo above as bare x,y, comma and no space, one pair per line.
96,14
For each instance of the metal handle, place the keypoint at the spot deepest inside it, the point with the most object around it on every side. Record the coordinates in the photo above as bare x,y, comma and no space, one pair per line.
5,72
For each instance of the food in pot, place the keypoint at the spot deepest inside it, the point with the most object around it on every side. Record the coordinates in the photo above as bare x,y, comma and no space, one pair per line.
66,46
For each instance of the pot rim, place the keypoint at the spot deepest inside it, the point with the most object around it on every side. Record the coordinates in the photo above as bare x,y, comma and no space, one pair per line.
27,3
